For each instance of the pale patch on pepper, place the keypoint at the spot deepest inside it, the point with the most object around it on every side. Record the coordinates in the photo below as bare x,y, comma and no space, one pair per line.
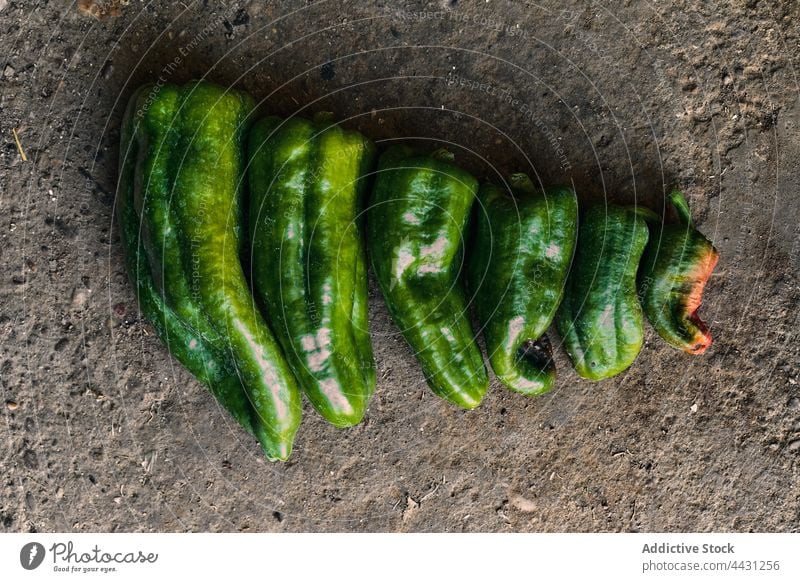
402,260
296,182
435,250
521,383
327,294
317,360
411,218
333,392
427,269
308,343
316,348
268,375
431,256
448,334
323,337
515,328
607,315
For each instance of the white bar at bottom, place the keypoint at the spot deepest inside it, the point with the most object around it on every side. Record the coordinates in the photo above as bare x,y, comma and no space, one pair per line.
379,557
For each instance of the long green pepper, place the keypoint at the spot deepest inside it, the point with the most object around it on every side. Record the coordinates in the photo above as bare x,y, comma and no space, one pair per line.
521,253
208,364
186,189
600,320
307,181
416,225
208,188
677,263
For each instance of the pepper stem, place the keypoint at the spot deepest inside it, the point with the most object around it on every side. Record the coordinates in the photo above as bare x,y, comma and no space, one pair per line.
324,117
443,155
522,182
678,201
646,213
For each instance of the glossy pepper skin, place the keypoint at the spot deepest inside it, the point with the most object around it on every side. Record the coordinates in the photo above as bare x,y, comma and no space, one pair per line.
307,182
206,362
600,320
208,190
415,230
676,265
521,254
186,189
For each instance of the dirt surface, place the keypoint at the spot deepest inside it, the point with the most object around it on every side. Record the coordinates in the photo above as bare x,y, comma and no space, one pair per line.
103,431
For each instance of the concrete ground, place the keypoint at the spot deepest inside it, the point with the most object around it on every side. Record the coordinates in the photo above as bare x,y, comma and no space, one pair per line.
103,431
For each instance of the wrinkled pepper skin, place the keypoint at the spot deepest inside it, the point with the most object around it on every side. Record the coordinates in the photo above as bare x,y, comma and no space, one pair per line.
676,265
207,363
600,320
521,254
415,231
185,195
307,182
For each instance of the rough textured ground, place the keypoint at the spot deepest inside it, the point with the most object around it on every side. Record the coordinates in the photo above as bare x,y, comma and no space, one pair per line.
102,431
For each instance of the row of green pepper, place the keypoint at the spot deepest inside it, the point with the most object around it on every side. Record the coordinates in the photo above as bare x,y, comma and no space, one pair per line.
304,326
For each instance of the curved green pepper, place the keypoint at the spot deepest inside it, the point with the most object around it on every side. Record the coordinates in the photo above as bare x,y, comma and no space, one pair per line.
209,171
600,320
415,225
677,263
180,214
521,253
307,180
207,364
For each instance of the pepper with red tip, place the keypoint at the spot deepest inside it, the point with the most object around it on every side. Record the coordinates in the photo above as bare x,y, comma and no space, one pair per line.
676,265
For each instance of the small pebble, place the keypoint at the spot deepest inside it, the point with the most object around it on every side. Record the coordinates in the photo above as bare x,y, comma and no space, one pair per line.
80,297
107,69
11,405
327,72
241,18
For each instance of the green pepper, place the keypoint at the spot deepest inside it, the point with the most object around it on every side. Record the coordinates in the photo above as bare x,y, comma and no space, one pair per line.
415,229
186,190
207,363
207,191
600,320
307,180
676,265
521,254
